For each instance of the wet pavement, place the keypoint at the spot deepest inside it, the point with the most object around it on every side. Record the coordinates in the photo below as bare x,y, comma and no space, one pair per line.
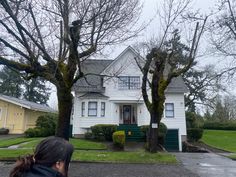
208,164
116,170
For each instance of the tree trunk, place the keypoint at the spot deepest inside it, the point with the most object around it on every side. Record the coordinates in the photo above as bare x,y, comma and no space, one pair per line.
153,134
64,106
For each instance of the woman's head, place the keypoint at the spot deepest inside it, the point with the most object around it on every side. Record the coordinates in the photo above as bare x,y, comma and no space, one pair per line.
53,152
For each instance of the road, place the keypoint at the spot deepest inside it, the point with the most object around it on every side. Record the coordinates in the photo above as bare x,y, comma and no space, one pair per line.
208,164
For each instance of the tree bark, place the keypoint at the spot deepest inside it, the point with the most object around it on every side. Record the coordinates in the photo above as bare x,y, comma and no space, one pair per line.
64,106
153,133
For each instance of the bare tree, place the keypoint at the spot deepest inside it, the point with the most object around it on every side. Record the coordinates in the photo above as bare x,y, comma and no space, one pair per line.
164,61
222,31
50,38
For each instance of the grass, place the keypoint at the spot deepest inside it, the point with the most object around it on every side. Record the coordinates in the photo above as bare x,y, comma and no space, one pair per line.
221,139
87,145
98,156
124,157
232,156
14,141
78,144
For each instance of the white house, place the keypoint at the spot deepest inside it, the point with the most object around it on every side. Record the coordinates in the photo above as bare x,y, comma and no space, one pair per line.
100,99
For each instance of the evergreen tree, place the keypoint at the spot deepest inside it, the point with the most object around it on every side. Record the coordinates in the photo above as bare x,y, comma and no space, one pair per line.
13,84
36,91
10,82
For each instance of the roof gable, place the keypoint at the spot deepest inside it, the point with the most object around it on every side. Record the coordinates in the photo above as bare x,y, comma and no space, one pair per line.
27,104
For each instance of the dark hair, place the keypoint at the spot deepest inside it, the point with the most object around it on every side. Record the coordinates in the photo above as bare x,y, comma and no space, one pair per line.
47,153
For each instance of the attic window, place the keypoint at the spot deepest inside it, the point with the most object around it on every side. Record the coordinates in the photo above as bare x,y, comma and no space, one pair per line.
129,83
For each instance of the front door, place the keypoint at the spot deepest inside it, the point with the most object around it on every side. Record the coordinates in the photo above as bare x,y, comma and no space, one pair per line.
127,114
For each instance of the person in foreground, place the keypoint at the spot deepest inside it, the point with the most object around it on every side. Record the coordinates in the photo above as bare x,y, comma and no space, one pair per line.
51,158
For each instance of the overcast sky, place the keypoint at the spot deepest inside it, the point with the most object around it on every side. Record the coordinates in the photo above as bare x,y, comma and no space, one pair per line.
149,10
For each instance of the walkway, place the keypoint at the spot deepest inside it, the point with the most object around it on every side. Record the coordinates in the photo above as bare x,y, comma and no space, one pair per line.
208,164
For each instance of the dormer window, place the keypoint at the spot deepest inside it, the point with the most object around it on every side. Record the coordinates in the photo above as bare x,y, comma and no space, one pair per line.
129,82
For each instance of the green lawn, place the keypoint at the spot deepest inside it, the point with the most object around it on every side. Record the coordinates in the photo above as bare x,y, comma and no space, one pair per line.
87,145
101,156
79,144
14,141
221,139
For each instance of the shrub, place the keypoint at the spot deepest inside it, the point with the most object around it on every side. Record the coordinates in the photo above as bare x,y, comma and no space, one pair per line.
45,126
103,131
32,132
88,135
4,131
193,120
119,139
217,125
194,134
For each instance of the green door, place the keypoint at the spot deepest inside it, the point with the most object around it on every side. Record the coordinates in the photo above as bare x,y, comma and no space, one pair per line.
172,140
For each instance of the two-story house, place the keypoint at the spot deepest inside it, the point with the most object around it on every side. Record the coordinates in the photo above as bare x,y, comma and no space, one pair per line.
111,94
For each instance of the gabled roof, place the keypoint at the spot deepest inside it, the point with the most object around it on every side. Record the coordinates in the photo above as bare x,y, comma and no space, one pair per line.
94,66
92,95
93,81
129,48
27,104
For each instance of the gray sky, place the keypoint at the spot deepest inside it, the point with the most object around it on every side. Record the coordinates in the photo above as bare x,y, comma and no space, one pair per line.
149,10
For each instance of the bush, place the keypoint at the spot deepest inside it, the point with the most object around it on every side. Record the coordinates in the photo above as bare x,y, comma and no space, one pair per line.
4,131
193,120
32,132
45,126
103,131
217,125
88,135
119,139
194,134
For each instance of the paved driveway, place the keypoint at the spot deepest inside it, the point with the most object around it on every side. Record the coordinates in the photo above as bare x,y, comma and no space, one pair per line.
117,170
208,164
9,136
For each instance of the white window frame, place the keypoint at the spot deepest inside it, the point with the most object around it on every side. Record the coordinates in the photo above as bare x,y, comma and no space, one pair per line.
92,109
103,109
129,83
172,110
82,109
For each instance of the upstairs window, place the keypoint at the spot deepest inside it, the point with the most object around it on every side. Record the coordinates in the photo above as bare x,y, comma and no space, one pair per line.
83,109
129,83
92,108
102,109
169,110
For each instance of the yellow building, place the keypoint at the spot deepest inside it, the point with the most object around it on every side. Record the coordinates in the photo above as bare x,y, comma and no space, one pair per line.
18,115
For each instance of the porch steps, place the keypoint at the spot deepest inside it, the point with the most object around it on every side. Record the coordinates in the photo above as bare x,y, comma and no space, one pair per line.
132,132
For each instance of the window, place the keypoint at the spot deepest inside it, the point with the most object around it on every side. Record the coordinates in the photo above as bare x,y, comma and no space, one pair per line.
102,109
129,82
92,108
83,109
169,110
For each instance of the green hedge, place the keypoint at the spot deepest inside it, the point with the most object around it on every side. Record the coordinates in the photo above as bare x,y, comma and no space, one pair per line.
194,134
103,131
4,131
45,126
217,125
119,139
